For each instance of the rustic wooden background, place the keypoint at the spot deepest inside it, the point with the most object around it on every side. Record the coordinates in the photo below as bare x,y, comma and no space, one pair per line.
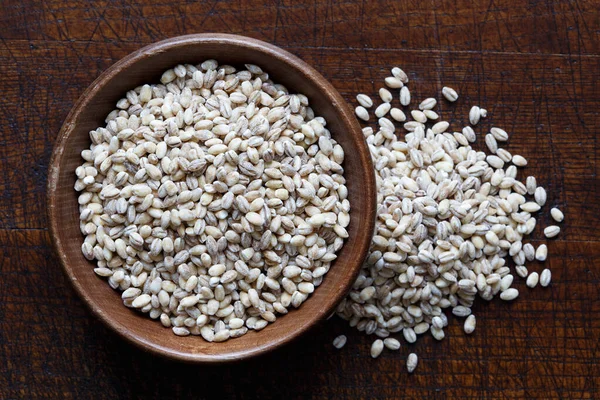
533,64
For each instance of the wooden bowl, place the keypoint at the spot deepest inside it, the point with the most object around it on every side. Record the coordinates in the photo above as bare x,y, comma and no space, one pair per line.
146,66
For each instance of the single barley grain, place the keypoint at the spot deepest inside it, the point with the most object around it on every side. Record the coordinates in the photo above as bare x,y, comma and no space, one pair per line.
418,116
551,231
404,96
519,161
397,114
499,134
494,161
474,115
532,279
409,335
521,271
362,113
411,362
509,294
376,348
382,109
427,104
364,100
491,143
440,127
529,251
449,94
557,215
541,253
339,341
469,326
545,277
438,334
393,82
385,95
400,74
180,331
412,126
469,134
506,282
504,155
540,195
531,185
391,343
530,207
461,311
430,114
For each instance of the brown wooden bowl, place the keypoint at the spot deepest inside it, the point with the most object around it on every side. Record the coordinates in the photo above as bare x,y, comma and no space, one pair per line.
146,66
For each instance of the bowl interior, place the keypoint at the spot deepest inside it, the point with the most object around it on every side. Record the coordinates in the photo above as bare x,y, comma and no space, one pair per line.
146,66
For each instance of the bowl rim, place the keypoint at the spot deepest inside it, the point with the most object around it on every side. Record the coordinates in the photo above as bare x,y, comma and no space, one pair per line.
104,79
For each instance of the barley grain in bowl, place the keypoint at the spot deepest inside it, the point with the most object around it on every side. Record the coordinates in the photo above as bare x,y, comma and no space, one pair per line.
214,198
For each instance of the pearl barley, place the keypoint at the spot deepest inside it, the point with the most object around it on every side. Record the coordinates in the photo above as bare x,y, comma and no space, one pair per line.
545,277
339,341
469,326
557,215
364,100
191,193
376,348
411,362
551,231
448,219
449,94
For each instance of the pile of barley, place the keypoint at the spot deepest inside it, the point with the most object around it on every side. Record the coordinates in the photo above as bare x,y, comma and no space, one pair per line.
214,200
448,218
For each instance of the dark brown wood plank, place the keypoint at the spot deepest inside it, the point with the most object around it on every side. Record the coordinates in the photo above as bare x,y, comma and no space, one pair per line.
539,26
533,65
543,345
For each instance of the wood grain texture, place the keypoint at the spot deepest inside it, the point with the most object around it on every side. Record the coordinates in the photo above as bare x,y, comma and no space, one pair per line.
532,64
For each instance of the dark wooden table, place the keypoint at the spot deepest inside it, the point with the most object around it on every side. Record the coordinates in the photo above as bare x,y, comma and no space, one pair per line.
533,64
